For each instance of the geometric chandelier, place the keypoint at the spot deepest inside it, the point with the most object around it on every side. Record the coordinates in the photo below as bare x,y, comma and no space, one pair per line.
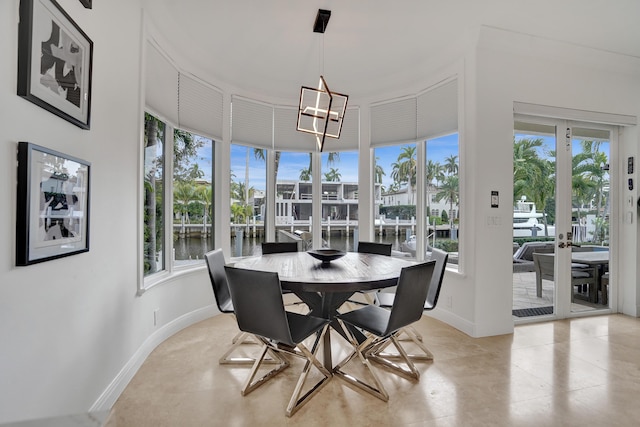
321,111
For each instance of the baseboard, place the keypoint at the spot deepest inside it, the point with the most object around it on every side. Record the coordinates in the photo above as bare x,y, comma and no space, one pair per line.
109,396
452,319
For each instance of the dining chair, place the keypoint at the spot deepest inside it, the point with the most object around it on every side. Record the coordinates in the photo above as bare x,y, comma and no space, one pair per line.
215,265
374,248
259,310
386,300
279,247
381,326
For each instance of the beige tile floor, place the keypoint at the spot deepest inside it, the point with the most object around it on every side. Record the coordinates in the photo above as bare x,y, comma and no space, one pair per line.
577,372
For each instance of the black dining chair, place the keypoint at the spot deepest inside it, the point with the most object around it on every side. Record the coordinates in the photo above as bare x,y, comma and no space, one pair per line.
259,310
279,247
215,265
374,248
382,325
386,300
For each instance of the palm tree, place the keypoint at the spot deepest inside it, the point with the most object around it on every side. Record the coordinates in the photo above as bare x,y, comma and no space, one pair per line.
450,193
433,171
153,234
184,194
451,165
204,195
378,172
333,175
305,174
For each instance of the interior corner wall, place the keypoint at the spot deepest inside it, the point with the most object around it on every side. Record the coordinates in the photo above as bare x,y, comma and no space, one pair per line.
73,329
514,67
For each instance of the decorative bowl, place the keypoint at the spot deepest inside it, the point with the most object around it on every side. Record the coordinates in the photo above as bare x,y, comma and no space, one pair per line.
326,255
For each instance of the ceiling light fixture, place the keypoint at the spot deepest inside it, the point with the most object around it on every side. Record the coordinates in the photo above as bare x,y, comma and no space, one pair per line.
321,111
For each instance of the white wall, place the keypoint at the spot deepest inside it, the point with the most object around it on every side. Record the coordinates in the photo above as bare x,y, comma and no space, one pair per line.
70,328
73,331
512,67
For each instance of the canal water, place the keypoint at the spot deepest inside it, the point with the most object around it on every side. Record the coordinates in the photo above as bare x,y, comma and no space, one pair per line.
193,248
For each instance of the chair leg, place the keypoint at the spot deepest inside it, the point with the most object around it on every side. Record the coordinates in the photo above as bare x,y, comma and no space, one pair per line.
296,402
377,389
410,372
413,336
249,384
240,339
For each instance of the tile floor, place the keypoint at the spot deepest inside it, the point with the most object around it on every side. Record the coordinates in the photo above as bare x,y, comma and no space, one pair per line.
577,372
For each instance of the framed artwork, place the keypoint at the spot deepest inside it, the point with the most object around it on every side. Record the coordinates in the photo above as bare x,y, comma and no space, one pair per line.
54,61
86,3
52,207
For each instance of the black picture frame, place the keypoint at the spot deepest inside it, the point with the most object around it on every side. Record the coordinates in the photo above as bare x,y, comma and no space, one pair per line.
52,206
55,60
86,3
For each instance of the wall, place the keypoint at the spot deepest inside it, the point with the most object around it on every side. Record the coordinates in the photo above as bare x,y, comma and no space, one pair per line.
513,67
73,330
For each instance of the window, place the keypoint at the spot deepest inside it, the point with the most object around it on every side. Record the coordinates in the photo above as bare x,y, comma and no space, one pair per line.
395,171
442,192
192,197
339,198
294,195
248,190
154,196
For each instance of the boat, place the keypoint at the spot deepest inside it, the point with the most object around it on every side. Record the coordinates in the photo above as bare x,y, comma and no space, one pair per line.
528,222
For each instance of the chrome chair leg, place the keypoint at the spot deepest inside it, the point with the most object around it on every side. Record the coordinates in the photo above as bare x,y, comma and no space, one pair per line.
412,335
249,384
377,389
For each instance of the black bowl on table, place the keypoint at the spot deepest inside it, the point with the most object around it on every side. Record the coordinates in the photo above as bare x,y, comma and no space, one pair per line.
326,255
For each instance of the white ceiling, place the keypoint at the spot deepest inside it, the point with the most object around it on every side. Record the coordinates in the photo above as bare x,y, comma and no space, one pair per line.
268,47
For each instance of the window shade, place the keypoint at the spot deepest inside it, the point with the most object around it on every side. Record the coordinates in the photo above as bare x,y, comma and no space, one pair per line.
251,123
199,107
349,136
286,136
161,84
393,122
438,111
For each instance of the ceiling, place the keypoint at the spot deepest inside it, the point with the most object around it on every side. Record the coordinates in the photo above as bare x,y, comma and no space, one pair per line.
268,48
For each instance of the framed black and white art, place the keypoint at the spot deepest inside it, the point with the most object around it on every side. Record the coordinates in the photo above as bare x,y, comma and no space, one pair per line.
54,61
52,209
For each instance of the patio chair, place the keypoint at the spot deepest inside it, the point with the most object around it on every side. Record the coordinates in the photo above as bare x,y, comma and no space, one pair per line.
259,310
381,325
544,268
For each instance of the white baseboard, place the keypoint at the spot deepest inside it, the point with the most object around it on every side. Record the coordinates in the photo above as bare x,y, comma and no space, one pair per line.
109,396
454,320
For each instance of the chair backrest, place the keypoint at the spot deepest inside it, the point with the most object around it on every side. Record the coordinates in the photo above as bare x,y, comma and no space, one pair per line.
440,257
279,247
408,304
375,248
258,305
215,265
543,264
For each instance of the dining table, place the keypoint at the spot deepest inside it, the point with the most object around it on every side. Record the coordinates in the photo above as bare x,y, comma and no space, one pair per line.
325,286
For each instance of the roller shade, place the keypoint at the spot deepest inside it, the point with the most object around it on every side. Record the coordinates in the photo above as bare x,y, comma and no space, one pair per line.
251,123
393,122
349,137
438,111
161,84
199,107
286,137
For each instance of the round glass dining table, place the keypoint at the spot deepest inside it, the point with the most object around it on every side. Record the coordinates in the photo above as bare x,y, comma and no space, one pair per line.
324,287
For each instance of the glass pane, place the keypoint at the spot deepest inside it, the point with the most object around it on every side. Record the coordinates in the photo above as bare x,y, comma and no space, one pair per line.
590,219
248,190
340,199
534,184
395,209
192,197
443,195
293,196
154,137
